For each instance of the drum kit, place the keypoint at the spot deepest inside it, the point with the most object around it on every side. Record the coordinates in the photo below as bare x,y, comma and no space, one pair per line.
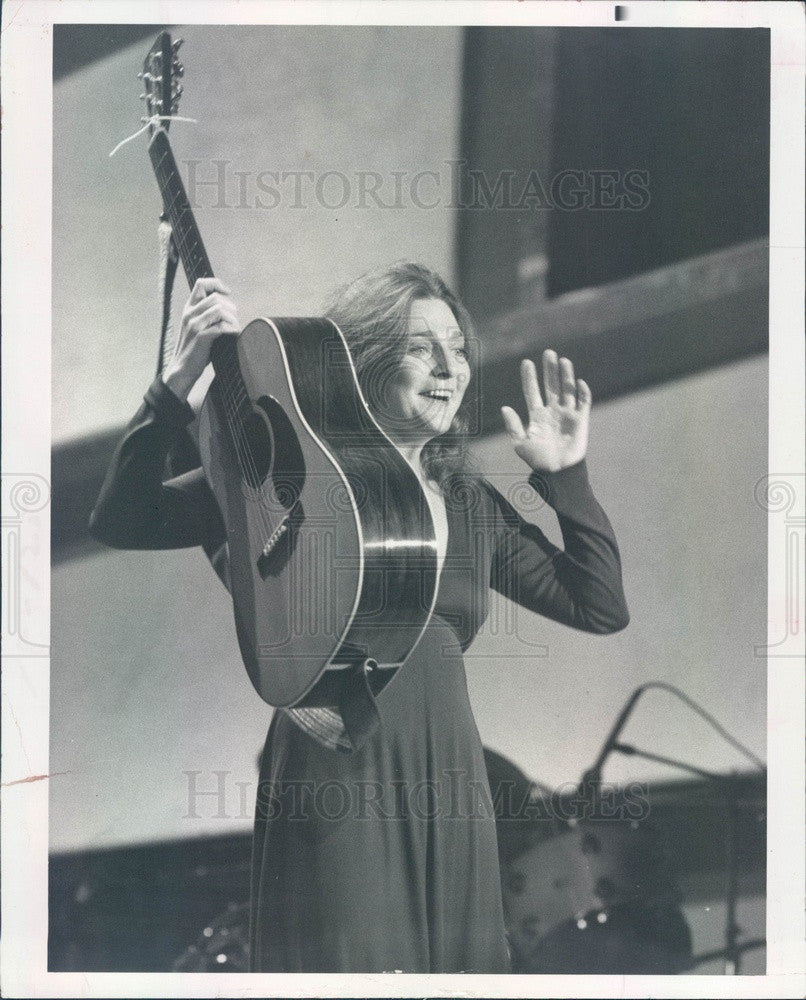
588,883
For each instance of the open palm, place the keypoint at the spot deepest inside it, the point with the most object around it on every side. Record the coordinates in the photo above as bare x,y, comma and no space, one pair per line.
556,434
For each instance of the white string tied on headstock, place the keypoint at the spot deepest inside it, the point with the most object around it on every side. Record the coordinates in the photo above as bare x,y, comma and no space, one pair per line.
153,121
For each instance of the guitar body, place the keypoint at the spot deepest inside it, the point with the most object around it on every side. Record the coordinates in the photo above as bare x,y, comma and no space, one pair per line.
331,544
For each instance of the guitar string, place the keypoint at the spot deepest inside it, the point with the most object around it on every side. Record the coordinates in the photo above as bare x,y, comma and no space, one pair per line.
230,399
155,121
232,410
237,396
233,406
242,447
234,395
233,390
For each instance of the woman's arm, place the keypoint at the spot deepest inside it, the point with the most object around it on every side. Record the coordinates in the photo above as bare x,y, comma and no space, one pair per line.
136,509
579,585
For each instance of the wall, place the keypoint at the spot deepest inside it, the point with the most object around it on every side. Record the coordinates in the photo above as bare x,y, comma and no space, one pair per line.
675,468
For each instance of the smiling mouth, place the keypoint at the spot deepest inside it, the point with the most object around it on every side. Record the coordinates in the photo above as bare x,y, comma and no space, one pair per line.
442,395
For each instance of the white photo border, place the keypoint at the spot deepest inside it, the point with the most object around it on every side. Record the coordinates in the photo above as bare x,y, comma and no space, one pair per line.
26,445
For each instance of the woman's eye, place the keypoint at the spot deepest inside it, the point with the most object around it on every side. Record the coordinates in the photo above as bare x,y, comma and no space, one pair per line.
463,352
419,349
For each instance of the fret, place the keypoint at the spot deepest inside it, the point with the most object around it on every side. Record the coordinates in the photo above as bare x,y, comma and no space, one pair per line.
186,234
196,264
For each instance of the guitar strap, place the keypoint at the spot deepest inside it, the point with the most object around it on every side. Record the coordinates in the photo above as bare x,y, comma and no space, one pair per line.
357,705
169,258
341,711
184,456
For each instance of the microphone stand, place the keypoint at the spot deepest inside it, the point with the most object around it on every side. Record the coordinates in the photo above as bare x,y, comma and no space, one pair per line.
590,784
727,783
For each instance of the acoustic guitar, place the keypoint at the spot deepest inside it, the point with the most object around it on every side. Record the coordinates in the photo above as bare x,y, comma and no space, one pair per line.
332,550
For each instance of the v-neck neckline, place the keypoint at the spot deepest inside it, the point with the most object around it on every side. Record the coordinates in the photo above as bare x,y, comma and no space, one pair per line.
451,513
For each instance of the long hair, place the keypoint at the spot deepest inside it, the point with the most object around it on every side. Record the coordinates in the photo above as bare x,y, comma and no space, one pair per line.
373,314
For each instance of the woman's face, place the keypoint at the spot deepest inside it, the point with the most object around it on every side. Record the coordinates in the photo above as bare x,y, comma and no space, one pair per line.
423,395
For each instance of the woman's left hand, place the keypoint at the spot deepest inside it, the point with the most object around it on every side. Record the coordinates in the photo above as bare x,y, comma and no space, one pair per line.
557,432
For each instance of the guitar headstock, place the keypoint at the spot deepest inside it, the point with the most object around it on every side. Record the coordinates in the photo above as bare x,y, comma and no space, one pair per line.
160,76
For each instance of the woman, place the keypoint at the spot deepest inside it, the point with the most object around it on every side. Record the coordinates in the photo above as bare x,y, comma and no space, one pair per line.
385,858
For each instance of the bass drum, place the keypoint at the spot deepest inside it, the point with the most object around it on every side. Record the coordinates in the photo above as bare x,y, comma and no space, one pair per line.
630,939
599,897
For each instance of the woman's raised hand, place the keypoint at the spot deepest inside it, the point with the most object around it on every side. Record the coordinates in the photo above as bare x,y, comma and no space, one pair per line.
208,313
556,434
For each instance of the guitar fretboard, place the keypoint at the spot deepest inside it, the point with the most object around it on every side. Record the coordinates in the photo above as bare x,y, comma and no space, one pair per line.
196,265
177,207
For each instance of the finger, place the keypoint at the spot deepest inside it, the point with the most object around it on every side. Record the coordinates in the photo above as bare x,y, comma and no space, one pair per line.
205,286
227,311
513,423
551,378
208,285
531,390
584,395
568,389
199,308
219,329
215,315
225,325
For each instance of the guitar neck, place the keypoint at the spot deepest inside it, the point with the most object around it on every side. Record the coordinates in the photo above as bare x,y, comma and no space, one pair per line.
191,251
177,208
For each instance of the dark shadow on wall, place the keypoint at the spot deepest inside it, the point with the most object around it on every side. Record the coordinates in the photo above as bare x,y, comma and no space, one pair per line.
78,45
589,155
690,108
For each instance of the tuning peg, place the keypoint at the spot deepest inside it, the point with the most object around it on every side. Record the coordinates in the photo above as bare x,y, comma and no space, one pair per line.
143,96
177,45
179,69
178,91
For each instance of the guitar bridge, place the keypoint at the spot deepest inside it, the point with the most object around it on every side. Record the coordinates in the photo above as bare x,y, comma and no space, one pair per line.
274,538
280,543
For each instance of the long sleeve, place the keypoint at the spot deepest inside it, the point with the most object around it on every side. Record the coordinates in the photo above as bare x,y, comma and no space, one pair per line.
579,585
136,509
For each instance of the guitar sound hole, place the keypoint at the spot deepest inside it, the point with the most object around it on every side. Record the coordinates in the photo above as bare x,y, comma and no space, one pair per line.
258,433
287,463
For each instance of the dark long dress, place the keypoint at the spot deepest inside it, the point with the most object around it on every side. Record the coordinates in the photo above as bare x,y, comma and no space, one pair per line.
385,859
